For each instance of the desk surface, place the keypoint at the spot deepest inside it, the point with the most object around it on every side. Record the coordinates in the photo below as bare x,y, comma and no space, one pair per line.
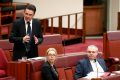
112,77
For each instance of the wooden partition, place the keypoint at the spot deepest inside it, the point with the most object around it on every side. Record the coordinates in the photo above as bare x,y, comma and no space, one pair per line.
94,18
118,27
71,33
111,44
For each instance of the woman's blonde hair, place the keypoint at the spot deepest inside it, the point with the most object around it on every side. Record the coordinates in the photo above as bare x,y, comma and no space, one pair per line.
51,49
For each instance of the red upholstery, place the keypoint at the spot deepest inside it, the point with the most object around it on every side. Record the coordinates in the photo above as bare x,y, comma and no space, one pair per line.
61,73
7,47
68,62
3,66
4,30
2,73
113,35
65,64
8,78
69,73
54,41
114,48
36,76
42,48
3,60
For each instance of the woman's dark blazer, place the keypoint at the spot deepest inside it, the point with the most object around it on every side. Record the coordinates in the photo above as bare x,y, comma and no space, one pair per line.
47,73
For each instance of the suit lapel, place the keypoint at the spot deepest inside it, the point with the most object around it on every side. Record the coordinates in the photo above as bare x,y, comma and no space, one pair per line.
23,28
101,64
33,27
89,64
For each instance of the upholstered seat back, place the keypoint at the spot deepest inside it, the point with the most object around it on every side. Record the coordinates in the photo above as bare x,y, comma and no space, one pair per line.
54,41
113,35
3,60
65,65
112,44
3,64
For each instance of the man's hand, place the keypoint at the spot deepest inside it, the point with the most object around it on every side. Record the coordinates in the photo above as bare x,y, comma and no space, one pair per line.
36,39
26,38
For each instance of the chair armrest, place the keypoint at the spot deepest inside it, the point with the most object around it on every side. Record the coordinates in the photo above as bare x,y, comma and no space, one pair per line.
113,61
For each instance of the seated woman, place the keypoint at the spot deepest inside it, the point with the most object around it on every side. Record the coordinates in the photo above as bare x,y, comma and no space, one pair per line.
87,66
49,71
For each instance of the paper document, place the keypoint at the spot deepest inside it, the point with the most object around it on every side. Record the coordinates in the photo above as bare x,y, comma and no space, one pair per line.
38,58
97,75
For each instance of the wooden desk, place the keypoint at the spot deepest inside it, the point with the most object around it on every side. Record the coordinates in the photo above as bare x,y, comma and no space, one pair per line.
31,70
19,69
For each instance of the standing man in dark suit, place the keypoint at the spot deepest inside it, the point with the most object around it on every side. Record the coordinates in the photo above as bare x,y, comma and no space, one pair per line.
26,34
90,64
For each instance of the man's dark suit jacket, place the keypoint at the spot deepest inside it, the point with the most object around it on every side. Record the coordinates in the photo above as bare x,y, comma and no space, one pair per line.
16,36
84,67
47,73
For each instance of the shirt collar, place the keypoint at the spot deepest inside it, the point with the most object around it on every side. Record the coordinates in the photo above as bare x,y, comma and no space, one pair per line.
26,21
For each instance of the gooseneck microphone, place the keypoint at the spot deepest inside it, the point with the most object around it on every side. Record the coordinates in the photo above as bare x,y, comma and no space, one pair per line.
96,66
97,71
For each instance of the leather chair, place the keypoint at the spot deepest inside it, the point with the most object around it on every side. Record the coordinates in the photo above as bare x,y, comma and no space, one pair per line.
7,47
3,67
65,66
54,41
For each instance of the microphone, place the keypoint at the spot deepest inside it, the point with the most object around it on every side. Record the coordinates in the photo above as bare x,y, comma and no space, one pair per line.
96,67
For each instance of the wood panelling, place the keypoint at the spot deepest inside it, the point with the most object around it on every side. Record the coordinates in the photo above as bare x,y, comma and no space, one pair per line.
93,20
76,31
118,27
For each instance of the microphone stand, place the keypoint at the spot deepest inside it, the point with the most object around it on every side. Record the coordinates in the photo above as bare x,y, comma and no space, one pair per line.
97,72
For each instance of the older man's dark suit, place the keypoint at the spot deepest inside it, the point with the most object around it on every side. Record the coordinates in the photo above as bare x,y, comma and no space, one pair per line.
18,32
47,73
84,67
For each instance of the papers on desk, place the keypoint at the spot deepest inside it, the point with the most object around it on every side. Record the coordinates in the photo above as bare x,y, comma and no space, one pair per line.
97,75
116,72
38,58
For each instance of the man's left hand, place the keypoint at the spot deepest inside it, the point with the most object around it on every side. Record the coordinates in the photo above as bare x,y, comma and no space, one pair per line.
36,39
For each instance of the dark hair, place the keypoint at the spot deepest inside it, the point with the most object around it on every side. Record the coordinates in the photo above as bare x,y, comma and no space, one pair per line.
31,7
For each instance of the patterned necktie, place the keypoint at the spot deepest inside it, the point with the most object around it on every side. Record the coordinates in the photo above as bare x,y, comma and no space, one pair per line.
53,69
28,29
27,45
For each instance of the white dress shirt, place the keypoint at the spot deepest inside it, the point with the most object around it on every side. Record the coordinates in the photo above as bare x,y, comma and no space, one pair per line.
95,66
26,25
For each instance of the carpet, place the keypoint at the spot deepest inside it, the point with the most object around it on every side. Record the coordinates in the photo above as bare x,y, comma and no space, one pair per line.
81,47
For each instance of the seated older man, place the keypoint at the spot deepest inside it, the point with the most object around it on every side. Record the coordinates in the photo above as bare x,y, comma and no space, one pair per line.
90,64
